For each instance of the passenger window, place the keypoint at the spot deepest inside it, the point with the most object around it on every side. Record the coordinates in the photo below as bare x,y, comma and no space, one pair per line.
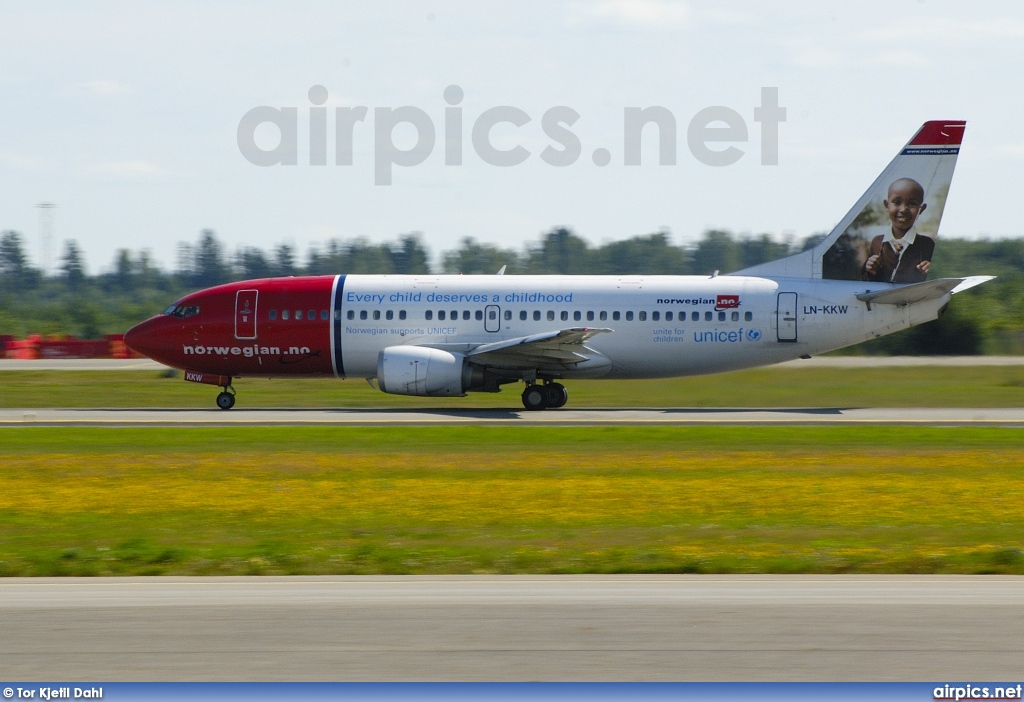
721,316
389,315
551,315
508,315
536,315
748,316
480,315
735,316
324,315
668,316
298,314
312,315
401,314
430,314
603,315
273,314
655,316
643,316
629,316
590,316
492,315
695,316
615,316
285,314
376,314
564,316
455,315
441,314
337,315
707,316
577,315
351,314
522,315
465,314
362,314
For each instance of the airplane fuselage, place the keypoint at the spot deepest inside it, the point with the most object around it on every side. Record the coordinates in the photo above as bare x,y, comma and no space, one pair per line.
658,326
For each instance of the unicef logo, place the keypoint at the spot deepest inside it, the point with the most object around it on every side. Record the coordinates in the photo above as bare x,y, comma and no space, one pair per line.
753,334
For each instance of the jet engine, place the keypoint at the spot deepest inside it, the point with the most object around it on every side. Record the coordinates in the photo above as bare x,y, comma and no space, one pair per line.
418,370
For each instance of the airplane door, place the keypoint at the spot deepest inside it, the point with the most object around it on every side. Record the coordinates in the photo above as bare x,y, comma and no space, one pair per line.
245,314
787,316
492,318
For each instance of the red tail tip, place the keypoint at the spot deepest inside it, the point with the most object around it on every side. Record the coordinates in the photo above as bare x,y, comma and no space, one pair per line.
939,133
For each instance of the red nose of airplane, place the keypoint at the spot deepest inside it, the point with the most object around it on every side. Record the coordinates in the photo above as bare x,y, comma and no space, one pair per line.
134,339
144,338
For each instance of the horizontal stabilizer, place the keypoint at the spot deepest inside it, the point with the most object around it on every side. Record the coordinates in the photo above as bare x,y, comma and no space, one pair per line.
971,281
918,292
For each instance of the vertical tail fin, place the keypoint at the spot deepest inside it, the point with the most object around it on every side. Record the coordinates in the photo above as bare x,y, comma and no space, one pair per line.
906,201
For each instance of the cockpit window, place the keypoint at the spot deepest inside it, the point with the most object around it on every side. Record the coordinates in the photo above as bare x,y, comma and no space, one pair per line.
182,311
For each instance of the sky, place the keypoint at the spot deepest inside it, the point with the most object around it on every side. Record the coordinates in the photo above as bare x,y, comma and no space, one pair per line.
127,117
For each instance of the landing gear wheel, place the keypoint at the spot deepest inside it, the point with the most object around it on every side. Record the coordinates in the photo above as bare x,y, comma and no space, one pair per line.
555,395
225,400
534,397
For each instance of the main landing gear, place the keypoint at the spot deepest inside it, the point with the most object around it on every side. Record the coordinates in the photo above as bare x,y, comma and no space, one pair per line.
226,399
546,396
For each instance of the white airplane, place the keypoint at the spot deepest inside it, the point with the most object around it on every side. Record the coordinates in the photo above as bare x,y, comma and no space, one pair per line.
445,335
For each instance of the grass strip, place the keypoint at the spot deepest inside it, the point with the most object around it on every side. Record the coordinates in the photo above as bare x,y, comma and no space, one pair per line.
882,386
311,500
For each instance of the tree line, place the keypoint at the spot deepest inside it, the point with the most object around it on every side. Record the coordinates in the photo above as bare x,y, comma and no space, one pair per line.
207,262
989,319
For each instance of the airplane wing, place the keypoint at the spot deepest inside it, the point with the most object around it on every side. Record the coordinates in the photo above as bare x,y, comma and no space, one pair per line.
566,347
918,292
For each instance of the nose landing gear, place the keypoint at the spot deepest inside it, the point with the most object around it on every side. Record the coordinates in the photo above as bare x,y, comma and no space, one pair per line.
547,396
226,399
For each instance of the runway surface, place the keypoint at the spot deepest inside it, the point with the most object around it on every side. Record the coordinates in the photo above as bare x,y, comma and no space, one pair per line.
1010,417
514,628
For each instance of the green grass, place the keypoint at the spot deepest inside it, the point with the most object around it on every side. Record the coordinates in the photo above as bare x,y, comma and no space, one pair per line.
924,386
450,440
364,500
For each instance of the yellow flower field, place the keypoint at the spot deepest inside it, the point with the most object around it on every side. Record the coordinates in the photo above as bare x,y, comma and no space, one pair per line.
860,508
848,488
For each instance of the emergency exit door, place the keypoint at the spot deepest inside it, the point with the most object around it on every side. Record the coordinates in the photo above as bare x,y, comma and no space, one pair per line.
492,318
245,314
787,316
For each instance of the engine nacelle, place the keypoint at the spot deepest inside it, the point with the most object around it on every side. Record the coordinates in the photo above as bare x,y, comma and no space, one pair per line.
417,370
